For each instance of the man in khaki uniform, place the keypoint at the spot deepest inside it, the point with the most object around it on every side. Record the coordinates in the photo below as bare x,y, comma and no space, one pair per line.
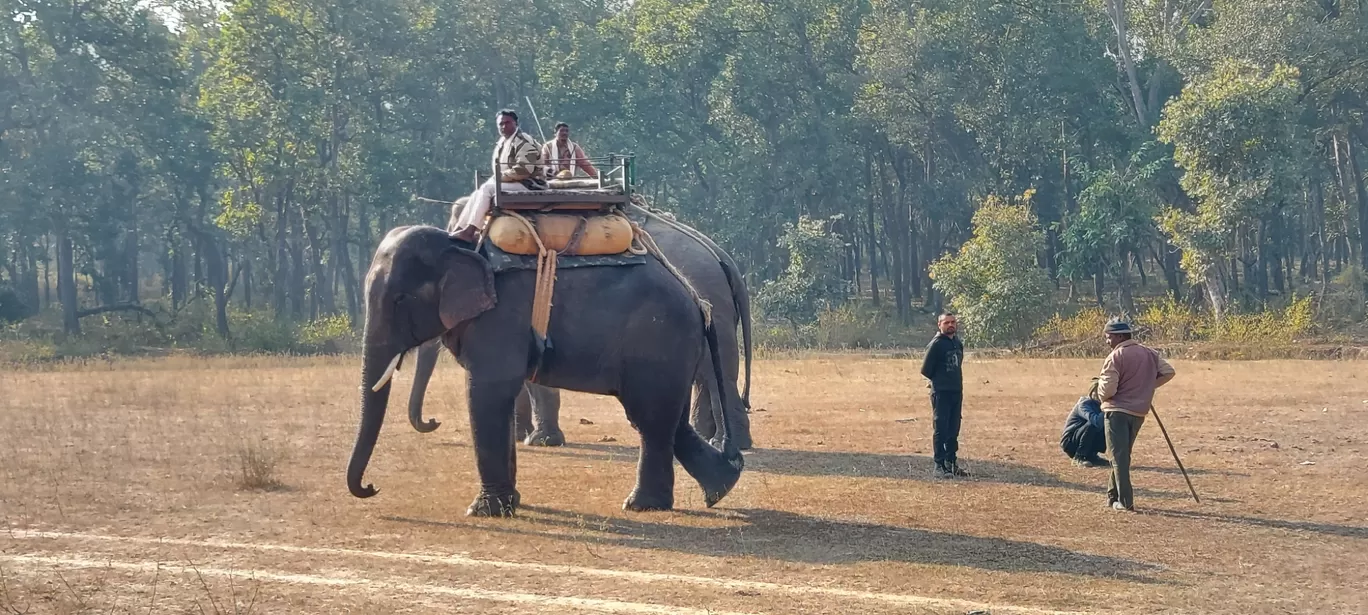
1126,388
516,167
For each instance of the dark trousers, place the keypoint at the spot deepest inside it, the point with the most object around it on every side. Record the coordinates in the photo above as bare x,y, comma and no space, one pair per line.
1122,430
945,416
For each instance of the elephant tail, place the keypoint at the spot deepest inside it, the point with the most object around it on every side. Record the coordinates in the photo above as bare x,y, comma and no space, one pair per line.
741,297
729,447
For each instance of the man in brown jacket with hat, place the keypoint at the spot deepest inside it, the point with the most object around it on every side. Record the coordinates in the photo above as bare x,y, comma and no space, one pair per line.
1126,387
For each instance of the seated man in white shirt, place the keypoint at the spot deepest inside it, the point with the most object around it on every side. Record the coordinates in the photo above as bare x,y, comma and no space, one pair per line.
562,156
516,161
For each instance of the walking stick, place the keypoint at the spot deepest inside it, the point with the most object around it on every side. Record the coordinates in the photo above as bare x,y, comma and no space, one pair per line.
1175,453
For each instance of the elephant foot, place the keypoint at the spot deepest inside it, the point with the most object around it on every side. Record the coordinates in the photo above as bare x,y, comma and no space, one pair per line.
717,484
545,438
489,505
641,502
743,442
713,495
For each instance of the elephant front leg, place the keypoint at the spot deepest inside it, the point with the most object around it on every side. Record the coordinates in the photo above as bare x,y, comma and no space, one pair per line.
491,426
544,408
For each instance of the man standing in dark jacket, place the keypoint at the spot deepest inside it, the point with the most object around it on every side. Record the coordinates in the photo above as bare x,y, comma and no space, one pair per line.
944,356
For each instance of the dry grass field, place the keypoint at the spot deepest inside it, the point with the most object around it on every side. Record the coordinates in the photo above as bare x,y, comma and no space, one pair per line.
216,486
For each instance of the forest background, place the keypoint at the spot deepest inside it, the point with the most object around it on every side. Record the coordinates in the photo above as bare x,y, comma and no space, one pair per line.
184,175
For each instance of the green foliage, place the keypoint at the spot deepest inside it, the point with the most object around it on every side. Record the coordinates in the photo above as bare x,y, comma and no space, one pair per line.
812,283
265,146
1235,135
992,281
1116,214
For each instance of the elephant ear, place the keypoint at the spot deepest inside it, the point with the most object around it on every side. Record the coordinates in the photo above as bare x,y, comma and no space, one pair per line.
466,289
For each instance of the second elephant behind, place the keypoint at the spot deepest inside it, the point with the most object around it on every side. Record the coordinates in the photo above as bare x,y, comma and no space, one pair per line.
713,274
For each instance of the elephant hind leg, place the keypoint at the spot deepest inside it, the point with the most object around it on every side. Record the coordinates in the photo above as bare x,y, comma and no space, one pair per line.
654,414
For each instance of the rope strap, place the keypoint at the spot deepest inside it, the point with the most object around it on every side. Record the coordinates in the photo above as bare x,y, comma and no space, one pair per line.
546,279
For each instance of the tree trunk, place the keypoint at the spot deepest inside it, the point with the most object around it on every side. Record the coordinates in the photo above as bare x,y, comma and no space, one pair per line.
131,249
322,303
1098,285
178,273
47,270
66,282
1124,296
1360,193
873,237
342,257
894,236
280,283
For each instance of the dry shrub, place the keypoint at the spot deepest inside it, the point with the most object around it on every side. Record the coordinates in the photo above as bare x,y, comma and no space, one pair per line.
257,464
1168,320
1081,325
1173,321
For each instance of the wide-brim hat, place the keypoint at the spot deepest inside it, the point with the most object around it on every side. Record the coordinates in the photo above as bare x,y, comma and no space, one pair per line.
1117,326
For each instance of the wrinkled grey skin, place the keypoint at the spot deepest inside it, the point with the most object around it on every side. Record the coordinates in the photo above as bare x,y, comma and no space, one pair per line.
714,274
630,332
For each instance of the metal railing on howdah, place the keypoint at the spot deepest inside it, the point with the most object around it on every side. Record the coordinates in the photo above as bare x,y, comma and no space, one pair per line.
615,171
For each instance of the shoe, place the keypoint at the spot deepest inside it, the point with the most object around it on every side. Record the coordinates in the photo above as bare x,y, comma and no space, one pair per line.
1118,506
941,471
466,234
956,470
1094,462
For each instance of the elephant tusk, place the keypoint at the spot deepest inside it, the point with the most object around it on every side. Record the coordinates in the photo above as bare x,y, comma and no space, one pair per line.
389,373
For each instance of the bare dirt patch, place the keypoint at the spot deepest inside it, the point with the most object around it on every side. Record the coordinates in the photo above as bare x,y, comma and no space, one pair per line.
134,469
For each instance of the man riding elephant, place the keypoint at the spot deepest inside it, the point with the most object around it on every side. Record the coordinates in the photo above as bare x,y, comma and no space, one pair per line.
516,166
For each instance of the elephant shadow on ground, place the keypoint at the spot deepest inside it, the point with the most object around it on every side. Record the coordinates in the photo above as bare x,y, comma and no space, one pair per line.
795,538
791,462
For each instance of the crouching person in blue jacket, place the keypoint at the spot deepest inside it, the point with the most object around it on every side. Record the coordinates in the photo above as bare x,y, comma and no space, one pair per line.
1084,437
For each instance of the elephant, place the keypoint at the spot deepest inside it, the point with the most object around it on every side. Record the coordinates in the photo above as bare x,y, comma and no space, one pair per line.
716,277
632,332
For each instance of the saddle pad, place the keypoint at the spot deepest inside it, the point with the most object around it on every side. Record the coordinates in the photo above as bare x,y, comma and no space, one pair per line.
501,261
601,234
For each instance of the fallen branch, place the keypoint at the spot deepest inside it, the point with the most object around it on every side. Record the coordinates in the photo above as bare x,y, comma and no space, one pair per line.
120,307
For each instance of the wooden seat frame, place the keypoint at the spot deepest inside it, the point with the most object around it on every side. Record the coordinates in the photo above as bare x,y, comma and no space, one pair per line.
618,176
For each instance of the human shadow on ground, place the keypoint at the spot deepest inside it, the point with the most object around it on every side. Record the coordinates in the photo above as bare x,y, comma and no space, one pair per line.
796,538
789,462
1331,529
1190,471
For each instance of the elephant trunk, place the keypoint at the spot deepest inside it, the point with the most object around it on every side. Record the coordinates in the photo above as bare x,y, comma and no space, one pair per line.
422,374
374,400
